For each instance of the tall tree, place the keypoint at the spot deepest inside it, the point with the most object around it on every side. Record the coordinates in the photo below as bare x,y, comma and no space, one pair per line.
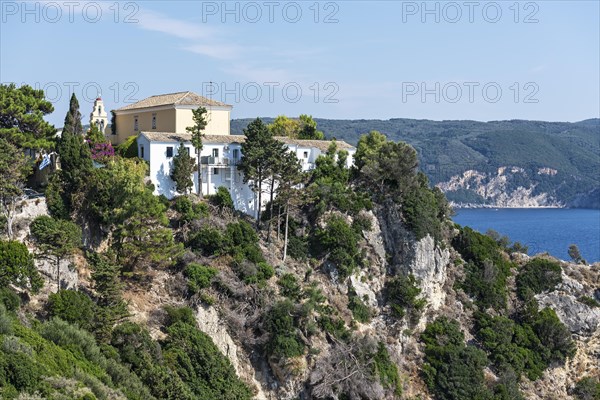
277,154
183,168
257,156
197,131
73,118
56,239
75,158
22,113
284,126
108,286
308,128
290,175
14,167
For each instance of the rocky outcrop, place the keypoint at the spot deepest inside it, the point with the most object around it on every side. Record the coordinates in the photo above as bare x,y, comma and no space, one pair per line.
578,317
423,258
209,322
578,282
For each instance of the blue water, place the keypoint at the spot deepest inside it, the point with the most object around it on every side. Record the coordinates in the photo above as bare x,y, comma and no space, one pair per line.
542,230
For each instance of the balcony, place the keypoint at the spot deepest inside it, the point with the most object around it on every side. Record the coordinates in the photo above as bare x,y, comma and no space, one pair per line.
219,161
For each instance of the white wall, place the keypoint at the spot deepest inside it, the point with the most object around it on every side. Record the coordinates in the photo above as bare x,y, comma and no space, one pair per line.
243,197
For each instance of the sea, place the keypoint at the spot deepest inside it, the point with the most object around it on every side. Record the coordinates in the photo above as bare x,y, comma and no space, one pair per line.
549,230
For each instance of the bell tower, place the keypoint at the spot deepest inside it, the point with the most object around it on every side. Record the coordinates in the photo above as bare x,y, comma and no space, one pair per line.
99,116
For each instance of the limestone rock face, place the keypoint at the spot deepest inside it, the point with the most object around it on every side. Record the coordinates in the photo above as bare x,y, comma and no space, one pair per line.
422,258
578,317
577,281
209,322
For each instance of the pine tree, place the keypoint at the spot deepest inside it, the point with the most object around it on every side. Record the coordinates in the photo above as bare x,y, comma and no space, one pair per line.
290,175
183,168
197,131
14,167
56,239
257,158
108,286
21,117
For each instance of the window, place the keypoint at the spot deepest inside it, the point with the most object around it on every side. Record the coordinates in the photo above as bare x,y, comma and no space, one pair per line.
306,154
142,151
236,154
216,171
169,152
215,152
188,150
99,109
153,121
135,123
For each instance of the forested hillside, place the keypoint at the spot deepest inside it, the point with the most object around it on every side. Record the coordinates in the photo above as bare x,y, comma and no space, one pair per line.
558,159
352,284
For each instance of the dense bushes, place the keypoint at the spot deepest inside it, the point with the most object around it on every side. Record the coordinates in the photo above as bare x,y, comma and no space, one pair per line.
339,243
401,293
222,199
188,210
587,388
73,307
17,267
193,356
199,277
360,311
452,371
284,340
537,276
486,270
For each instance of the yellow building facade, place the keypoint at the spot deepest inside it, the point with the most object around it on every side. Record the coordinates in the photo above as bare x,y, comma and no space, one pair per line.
169,113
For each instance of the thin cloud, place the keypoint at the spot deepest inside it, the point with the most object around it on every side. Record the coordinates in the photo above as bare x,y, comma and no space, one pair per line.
153,21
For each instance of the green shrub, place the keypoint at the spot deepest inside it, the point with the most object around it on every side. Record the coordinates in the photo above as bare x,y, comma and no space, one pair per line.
362,223
73,307
10,299
425,209
195,358
360,311
17,267
199,277
387,370
208,241
537,276
260,274
587,388
297,247
188,210
334,326
486,269
589,301
339,242
401,293
289,286
179,314
222,198
284,340
452,371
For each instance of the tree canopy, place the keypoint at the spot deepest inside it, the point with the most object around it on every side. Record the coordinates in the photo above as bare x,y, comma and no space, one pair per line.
22,112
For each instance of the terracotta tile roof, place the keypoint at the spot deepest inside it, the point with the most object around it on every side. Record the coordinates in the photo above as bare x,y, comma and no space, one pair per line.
169,137
179,98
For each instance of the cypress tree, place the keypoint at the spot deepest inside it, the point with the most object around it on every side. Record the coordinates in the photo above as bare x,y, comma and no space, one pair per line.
183,168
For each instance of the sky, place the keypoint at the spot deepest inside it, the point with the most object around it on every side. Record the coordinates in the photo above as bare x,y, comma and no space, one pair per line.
483,61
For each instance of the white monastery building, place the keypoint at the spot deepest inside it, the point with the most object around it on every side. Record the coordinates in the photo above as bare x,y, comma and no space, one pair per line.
221,151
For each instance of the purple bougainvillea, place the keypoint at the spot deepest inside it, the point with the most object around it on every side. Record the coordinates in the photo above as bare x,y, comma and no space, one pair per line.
102,151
